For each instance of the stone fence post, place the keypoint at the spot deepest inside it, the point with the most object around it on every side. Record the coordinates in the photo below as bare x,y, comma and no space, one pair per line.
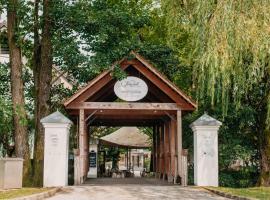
11,173
205,131
56,147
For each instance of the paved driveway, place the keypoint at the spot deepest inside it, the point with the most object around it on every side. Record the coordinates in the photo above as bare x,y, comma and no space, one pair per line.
132,189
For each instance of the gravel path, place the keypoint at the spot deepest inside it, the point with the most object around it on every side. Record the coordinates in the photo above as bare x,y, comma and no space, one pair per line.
132,189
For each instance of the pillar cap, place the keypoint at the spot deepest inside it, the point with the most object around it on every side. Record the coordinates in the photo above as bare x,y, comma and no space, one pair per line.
56,118
206,120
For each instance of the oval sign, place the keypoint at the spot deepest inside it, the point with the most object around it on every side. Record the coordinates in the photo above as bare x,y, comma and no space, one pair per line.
130,89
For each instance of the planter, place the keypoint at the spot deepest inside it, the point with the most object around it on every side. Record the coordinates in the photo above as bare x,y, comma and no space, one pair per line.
11,170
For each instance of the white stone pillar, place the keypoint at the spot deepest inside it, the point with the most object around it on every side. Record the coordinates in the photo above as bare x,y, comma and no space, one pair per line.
56,147
205,131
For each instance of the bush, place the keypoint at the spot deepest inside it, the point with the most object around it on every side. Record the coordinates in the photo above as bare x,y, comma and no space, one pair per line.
245,177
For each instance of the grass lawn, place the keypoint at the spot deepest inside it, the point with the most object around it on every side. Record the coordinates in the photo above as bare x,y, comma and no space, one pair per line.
14,193
262,193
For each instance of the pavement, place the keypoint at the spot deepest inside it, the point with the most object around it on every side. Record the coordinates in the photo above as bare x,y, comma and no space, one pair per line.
132,189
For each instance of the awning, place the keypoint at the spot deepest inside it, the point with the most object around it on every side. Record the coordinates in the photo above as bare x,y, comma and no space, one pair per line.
130,137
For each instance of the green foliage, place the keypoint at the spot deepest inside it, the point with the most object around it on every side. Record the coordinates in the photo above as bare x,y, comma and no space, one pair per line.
238,141
58,94
6,126
113,154
6,123
96,34
228,45
241,178
118,73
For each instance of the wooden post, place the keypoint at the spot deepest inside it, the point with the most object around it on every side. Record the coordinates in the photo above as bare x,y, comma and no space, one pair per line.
179,144
164,155
158,152
172,150
126,159
129,162
82,147
161,144
87,141
76,152
166,150
154,149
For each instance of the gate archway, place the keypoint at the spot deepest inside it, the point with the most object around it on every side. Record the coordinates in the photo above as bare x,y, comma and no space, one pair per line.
96,104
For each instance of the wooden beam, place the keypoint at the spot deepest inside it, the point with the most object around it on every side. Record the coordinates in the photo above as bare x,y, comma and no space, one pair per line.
124,106
166,150
143,114
158,150
154,149
89,116
179,144
173,149
111,122
101,116
81,144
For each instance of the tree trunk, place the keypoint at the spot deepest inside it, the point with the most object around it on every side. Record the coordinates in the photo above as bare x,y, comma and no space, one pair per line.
264,179
264,145
17,91
43,78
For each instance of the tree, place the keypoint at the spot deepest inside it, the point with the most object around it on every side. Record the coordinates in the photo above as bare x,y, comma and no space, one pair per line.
229,49
17,88
42,79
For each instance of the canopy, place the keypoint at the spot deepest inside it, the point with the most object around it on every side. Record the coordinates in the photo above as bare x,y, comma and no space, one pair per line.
130,137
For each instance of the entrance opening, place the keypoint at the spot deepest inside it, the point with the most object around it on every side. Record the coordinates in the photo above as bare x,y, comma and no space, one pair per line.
121,152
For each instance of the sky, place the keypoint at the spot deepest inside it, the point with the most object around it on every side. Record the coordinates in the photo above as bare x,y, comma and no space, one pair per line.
3,16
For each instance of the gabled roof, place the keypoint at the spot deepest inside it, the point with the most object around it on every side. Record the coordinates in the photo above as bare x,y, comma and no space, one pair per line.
149,67
127,137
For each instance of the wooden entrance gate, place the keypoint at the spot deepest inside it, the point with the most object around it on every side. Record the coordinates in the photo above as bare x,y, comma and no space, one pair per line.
162,108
